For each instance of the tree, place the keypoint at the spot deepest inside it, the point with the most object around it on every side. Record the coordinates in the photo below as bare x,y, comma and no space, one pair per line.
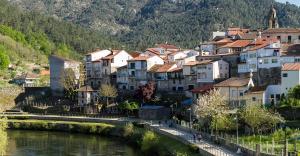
4,60
129,107
108,91
212,106
3,134
69,83
146,92
259,119
294,92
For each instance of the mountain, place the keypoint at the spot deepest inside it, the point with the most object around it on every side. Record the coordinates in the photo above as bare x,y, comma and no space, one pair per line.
142,23
50,35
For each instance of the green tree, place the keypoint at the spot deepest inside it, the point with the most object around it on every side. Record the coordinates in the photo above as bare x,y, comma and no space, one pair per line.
259,119
149,141
4,60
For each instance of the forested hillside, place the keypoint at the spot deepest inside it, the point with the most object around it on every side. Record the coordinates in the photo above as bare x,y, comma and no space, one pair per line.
140,23
50,35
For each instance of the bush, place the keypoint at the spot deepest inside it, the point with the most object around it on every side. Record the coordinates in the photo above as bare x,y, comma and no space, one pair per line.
128,130
149,142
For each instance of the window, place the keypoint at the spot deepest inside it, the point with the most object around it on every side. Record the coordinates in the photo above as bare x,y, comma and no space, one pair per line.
220,66
174,88
279,38
132,66
124,87
274,61
285,75
131,87
180,88
252,55
289,39
297,59
191,87
132,73
221,75
174,81
298,37
253,98
241,93
179,81
266,61
226,76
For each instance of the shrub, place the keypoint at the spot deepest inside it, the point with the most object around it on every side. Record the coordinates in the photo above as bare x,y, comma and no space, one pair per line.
128,130
149,142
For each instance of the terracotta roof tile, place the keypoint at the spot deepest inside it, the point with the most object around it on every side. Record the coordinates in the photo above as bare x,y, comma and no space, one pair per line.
203,89
281,30
238,44
191,63
161,68
140,58
234,82
178,69
291,67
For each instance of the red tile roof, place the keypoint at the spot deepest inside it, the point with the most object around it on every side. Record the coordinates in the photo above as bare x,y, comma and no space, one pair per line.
281,30
238,44
140,58
203,89
178,69
191,63
224,41
111,56
153,50
161,68
135,54
234,82
291,67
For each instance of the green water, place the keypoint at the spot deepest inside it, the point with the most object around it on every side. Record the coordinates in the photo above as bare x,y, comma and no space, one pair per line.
38,143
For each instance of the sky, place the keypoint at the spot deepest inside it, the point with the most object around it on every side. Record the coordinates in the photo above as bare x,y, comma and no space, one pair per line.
297,2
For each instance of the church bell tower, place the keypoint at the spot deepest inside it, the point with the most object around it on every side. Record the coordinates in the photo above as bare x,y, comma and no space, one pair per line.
273,20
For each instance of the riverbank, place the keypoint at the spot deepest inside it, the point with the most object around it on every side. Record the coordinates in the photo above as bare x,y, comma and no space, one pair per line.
139,136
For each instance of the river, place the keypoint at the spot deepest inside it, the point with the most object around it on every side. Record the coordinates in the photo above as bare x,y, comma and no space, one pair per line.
40,143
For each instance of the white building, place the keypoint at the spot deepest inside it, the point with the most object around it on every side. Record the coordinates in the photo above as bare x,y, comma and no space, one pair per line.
291,55
284,35
138,68
87,95
110,64
93,63
265,55
290,77
122,78
234,89
208,71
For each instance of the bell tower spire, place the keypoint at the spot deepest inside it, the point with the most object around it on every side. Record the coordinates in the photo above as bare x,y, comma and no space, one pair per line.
273,20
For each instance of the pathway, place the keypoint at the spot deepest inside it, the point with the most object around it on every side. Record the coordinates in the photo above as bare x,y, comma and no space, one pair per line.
205,145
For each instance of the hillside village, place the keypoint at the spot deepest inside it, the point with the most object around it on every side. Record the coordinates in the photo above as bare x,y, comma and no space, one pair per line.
246,66
240,84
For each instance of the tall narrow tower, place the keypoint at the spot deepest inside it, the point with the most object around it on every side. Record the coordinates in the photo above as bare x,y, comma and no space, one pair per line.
273,20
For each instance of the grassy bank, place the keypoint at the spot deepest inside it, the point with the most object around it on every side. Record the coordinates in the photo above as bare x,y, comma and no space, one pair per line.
149,142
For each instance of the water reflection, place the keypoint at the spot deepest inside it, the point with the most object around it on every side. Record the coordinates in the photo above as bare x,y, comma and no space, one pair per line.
36,143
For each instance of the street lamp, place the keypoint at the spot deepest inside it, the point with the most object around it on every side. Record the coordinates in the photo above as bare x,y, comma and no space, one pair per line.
237,129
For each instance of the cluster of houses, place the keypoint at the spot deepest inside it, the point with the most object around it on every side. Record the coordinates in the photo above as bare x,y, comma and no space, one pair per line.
246,66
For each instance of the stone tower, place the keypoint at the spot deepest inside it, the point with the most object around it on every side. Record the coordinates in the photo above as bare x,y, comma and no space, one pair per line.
273,20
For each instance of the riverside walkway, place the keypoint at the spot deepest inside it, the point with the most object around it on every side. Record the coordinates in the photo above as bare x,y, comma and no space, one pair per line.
187,137
208,147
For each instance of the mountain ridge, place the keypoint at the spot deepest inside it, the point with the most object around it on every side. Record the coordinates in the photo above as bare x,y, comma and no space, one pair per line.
142,23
